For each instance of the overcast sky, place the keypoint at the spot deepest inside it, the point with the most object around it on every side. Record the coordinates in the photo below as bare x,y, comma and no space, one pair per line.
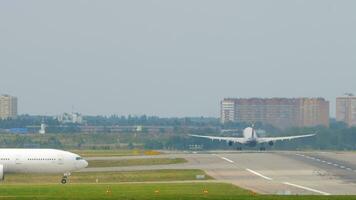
173,58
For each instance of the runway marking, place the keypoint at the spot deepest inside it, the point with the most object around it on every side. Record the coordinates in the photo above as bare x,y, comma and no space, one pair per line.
258,174
306,188
329,163
228,160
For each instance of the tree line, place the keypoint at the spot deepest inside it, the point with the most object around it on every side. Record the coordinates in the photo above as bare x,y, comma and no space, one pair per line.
336,137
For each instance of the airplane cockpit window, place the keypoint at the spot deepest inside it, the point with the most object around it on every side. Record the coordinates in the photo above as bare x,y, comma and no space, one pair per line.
79,158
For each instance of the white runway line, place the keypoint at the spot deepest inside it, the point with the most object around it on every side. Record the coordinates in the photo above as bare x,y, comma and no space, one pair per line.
329,163
258,174
306,188
228,160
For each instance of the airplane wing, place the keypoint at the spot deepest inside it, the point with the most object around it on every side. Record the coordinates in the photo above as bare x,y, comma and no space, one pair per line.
226,139
273,139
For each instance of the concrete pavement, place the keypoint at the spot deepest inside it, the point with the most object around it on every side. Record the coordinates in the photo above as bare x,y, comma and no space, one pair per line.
322,173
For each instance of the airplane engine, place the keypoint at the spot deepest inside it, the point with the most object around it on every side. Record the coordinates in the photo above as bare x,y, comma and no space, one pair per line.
270,143
2,173
230,143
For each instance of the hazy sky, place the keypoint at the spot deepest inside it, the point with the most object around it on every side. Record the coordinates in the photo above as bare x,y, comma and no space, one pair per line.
173,58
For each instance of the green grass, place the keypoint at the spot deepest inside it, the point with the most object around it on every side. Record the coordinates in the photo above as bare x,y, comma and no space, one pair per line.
107,153
108,177
122,191
135,162
171,191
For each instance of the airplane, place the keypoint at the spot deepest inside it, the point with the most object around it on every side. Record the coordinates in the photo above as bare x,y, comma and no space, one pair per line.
41,161
251,139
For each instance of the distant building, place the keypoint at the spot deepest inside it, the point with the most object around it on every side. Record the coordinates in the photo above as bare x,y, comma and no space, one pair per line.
227,110
8,107
126,129
313,112
75,118
346,110
18,130
279,112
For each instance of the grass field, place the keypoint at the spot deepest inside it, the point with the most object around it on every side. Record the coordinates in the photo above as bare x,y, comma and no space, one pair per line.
171,191
135,162
107,153
107,177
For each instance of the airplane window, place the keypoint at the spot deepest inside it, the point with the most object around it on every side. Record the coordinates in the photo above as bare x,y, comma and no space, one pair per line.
79,158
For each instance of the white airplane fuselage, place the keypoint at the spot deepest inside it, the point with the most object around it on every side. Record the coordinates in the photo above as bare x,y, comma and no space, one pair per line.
250,137
44,161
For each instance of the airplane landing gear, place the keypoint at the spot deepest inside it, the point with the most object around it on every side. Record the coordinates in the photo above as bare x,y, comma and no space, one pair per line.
65,178
262,149
238,148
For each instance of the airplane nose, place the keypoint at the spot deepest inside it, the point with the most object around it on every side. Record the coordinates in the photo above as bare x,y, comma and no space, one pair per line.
85,164
81,164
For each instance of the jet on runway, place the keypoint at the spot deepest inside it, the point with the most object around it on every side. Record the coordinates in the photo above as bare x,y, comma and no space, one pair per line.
41,161
251,139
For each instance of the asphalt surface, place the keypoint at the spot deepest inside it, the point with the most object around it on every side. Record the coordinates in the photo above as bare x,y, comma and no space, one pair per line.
320,173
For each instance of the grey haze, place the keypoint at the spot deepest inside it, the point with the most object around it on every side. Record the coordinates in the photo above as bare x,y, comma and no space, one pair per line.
173,58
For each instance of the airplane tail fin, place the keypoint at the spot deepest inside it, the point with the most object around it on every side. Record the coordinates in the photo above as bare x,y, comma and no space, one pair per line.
253,130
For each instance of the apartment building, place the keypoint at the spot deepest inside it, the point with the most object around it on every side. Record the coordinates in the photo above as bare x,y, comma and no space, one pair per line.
346,110
8,107
279,112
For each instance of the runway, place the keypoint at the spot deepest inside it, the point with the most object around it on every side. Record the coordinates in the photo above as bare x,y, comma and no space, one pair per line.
320,173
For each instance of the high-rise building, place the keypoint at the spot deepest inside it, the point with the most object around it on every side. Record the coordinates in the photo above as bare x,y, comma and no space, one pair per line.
313,112
346,110
227,110
279,112
8,107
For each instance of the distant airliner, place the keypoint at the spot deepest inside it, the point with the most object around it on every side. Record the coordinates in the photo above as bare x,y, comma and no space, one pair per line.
42,161
251,139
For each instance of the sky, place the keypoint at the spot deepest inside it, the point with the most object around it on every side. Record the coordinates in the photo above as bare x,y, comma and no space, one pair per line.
173,58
